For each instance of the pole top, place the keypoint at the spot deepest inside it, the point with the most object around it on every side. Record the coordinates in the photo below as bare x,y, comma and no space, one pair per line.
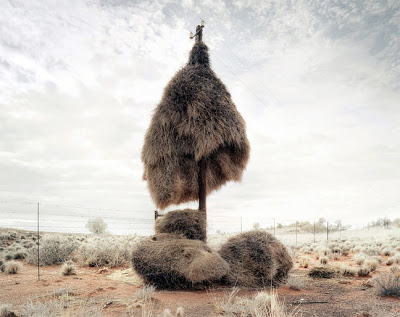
199,32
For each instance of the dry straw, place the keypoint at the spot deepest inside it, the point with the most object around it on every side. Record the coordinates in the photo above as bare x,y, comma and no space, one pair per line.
256,259
172,261
196,119
190,223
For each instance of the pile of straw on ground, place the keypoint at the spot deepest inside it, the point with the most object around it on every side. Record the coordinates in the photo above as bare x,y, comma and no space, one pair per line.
188,222
172,261
256,259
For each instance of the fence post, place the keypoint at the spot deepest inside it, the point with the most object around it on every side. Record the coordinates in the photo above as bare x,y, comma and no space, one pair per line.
314,231
327,230
38,243
274,227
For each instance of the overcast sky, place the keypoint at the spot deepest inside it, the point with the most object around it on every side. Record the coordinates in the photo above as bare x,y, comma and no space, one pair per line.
317,83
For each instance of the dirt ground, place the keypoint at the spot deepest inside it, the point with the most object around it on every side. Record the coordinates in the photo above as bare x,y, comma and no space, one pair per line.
114,289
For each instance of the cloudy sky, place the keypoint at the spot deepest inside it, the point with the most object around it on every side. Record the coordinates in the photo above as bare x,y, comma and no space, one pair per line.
317,82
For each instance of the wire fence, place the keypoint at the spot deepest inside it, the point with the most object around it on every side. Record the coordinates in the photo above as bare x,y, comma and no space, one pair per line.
45,217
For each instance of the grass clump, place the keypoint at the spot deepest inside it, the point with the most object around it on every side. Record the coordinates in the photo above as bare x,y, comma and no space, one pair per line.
6,310
263,304
387,285
324,260
295,282
101,251
68,268
322,272
393,260
305,262
54,249
145,293
345,270
12,267
363,271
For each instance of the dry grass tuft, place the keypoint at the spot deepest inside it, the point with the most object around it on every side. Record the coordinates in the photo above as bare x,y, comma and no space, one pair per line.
6,310
322,272
363,271
263,304
387,285
305,262
256,258
145,293
324,260
68,268
295,282
12,267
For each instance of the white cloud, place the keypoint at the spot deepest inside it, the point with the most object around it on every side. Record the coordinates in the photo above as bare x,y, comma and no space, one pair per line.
78,84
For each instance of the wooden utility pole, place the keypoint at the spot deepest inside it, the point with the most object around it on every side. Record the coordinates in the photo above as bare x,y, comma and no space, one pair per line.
202,177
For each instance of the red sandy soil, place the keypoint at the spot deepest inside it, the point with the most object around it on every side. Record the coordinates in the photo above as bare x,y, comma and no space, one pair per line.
320,297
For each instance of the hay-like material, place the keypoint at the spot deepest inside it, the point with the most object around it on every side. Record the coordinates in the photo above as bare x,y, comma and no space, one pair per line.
256,259
172,261
190,223
322,272
195,119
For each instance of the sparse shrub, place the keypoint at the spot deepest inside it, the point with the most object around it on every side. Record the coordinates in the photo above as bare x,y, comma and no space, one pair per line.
96,226
6,310
363,271
359,259
54,249
336,256
262,304
346,270
20,255
324,260
395,270
9,256
12,267
387,252
295,282
145,293
372,264
387,285
100,251
305,262
68,268
393,260
322,272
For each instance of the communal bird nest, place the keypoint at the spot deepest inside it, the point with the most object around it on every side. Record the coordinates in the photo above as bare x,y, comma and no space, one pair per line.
172,261
195,120
190,223
256,259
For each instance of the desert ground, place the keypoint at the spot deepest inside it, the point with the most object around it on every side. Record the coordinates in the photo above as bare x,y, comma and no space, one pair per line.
109,287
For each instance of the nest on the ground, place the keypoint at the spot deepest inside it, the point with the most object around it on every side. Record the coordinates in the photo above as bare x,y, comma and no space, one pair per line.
172,261
256,259
195,120
322,272
190,223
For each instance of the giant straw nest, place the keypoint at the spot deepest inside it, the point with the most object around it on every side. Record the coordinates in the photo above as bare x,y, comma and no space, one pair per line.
172,261
196,119
188,222
256,259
